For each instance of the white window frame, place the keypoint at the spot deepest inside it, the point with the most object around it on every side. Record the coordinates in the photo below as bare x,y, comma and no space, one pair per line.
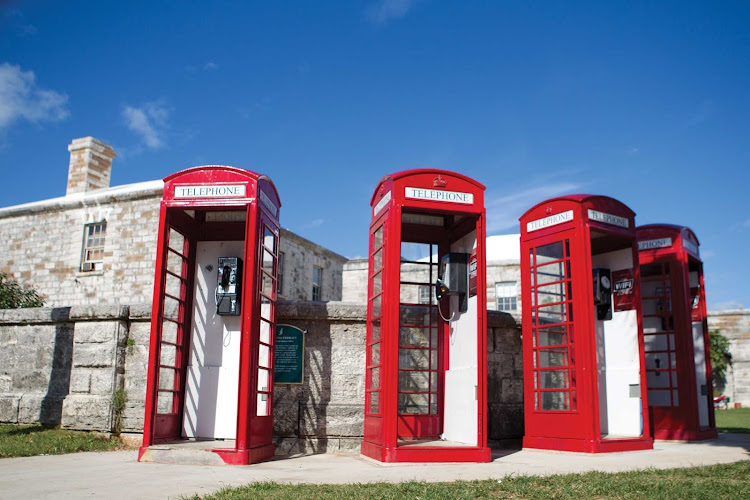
506,296
94,239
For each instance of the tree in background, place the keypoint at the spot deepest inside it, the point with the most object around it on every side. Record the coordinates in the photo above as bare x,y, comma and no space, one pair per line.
721,360
14,296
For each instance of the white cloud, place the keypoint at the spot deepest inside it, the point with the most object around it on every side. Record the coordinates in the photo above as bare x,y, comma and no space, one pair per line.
317,222
383,11
22,99
503,211
149,121
210,66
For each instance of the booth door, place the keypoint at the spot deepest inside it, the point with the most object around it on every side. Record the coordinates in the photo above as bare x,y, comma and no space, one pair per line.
663,337
268,248
419,345
550,349
172,326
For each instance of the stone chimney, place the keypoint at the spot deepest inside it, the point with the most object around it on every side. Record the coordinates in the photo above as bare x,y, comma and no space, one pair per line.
90,165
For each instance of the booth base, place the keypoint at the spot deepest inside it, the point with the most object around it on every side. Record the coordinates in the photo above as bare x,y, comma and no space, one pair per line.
684,435
421,453
589,446
192,452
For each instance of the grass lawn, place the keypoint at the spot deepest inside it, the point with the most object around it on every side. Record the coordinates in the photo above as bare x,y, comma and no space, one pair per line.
734,420
30,440
715,481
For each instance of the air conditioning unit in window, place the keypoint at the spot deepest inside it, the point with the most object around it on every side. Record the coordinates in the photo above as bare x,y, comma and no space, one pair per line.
87,266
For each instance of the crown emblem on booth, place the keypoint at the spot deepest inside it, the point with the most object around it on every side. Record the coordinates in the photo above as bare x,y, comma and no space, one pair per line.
439,182
548,210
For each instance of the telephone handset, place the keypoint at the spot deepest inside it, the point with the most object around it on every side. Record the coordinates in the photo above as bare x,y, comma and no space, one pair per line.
453,279
228,286
603,293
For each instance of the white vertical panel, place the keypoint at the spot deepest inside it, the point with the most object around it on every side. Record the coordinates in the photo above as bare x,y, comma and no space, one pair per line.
699,357
213,367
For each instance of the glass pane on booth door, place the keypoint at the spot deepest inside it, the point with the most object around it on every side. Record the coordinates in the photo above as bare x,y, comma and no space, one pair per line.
419,343
552,327
659,335
268,283
169,381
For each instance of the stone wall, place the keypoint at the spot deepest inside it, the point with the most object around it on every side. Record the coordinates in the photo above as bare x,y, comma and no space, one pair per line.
735,326
62,365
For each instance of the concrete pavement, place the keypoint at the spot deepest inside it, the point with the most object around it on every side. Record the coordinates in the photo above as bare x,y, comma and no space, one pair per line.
118,475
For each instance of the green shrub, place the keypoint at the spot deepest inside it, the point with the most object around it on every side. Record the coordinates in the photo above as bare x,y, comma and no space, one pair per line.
14,296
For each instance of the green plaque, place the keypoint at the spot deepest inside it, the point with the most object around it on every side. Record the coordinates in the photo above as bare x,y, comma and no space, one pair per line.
289,355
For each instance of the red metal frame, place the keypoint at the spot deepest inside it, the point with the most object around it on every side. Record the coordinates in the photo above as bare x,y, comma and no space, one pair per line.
256,195
676,248
576,427
383,425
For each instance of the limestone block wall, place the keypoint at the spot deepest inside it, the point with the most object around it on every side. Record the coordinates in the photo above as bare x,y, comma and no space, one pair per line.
62,366
735,326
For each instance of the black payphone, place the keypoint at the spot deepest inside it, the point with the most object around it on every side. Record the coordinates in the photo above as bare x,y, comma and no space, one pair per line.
453,278
603,293
228,286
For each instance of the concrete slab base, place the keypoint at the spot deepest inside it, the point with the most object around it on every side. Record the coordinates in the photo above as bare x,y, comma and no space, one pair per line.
118,475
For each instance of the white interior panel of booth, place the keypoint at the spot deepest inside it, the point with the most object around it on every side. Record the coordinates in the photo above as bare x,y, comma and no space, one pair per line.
699,355
213,366
460,412
618,361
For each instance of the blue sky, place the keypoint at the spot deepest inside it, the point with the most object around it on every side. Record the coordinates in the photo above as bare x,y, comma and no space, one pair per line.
647,102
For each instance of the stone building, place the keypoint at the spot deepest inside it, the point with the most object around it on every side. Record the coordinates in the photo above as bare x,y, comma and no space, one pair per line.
97,244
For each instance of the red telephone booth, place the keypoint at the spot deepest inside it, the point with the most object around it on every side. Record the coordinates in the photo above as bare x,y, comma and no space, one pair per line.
584,389
675,330
210,374
426,370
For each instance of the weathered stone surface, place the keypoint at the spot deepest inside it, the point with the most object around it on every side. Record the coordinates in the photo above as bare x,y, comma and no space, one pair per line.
34,315
86,412
735,326
93,355
99,312
95,332
9,408
39,408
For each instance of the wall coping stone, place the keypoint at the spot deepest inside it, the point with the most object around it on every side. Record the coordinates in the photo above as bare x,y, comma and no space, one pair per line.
34,315
333,311
141,311
287,309
99,312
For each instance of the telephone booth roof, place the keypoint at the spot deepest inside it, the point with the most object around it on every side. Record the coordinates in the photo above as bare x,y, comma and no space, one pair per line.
571,210
216,175
667,238
428,189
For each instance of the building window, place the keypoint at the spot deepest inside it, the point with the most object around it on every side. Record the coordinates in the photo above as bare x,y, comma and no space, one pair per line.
506,296
424,294
317,282
93,246
280,286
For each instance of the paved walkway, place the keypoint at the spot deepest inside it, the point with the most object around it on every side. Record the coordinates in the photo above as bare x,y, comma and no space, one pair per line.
118,475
